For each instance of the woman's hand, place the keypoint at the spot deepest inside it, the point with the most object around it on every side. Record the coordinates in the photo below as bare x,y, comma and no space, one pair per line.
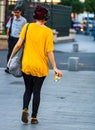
58,72
8,64
52,60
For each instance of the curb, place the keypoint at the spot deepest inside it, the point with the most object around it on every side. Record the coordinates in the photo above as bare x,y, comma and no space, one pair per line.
65,39
4,43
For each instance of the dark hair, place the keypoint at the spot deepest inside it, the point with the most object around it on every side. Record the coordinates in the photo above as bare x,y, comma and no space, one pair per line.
40,13
17,8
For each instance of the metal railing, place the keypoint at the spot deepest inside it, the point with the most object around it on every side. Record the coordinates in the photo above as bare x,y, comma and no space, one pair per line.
60,16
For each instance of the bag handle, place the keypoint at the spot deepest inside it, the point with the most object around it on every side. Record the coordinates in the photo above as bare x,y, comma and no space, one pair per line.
11,21
26,32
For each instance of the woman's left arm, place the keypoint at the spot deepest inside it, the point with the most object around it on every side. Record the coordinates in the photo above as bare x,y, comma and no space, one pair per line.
52,60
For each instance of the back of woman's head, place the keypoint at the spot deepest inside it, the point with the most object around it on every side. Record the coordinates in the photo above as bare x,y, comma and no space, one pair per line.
40,13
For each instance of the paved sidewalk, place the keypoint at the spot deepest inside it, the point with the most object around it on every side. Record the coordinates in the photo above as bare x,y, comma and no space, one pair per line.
66,105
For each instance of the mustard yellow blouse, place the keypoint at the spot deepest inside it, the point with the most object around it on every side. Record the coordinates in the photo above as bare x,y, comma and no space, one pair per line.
39,41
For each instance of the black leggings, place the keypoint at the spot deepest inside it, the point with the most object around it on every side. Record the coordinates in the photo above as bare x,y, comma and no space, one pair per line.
33,85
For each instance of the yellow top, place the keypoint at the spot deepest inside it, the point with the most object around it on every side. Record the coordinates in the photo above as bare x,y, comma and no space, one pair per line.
39,41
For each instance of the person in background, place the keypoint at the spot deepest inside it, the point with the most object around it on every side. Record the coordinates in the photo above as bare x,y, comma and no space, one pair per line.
93,28
14,26
38,49
72,22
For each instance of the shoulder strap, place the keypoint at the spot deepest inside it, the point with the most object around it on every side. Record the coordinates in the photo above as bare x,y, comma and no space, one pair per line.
11,21
26,32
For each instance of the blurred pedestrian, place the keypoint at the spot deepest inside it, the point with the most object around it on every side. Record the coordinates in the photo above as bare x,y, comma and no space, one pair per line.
14,26
93,27
37,49
72,23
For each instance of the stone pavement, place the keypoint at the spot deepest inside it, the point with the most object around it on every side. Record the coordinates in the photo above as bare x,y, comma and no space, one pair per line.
85,44
68,104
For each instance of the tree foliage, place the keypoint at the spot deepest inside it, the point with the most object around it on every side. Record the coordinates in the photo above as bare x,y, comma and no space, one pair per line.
77,6
90,6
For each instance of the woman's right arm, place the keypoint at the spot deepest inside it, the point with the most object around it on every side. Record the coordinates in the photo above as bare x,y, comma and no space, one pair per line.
15,49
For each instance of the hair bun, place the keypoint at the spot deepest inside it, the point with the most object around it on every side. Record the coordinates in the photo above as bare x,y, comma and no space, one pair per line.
40,13
39,7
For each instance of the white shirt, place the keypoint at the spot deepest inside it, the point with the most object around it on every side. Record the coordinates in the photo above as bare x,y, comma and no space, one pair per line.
17,25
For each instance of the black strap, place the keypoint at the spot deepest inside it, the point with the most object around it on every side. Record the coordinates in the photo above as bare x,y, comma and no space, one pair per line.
11,20
26,32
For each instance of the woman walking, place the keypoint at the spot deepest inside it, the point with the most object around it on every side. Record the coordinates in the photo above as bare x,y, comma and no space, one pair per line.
38,48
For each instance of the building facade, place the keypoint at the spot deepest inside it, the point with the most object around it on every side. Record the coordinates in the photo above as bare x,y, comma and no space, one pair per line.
5,5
